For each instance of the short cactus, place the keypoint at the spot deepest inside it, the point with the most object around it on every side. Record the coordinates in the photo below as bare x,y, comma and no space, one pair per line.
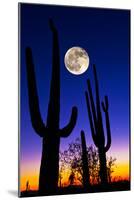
84,161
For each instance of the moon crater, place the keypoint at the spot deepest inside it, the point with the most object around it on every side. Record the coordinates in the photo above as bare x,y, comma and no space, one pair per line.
76,60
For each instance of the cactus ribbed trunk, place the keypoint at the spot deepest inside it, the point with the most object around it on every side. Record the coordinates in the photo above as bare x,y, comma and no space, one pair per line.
103,166
49,168
49,132
84,162
54,100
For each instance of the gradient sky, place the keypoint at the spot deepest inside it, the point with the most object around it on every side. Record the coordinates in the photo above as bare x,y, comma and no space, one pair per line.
104,34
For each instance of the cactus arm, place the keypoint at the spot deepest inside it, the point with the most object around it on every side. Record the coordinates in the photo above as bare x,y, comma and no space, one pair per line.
90,120
98,108
92,103
65,132
51,25
36,119
105,106
105,109
97,98
97,90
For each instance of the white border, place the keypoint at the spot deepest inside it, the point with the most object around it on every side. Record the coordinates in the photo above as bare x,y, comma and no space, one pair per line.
9,96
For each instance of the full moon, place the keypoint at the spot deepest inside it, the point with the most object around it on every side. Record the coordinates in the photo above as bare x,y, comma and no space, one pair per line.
76,60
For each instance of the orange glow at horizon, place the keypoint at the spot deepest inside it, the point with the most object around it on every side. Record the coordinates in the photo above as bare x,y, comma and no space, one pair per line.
121,172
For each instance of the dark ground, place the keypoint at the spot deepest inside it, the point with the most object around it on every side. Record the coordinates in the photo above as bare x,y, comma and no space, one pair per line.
115,186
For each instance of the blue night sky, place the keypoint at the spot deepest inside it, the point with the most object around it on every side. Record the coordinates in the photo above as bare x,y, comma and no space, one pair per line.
104,34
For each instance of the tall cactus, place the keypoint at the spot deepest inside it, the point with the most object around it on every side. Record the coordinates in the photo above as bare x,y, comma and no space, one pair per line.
49,132
84,161
96,125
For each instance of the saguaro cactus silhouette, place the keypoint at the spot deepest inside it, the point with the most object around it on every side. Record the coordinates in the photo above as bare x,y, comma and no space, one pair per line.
84,161
49,132
96,125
